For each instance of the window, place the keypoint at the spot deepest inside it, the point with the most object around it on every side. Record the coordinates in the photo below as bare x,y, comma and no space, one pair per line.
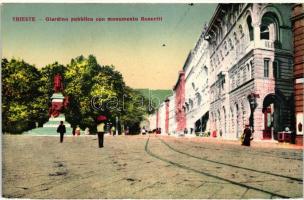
266,68
250,28
238,79
235,37
205,71
193,85
233,82
264,32
230,43
191,103
249,70
269,27
244,74
225,48
199,98
276,69
241,30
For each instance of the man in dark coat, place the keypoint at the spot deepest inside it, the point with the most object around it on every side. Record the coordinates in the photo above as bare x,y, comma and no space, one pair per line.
61,130
247,136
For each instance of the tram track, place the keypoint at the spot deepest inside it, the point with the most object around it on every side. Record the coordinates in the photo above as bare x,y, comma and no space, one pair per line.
208,174
260,154
231,165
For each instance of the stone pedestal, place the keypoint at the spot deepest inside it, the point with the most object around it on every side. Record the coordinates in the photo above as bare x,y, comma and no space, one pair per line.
50,127
57,102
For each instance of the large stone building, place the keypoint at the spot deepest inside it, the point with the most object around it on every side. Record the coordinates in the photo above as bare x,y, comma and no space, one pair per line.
241,72
196,87
250,69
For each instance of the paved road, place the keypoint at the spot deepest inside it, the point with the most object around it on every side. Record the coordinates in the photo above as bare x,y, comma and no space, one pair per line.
146,167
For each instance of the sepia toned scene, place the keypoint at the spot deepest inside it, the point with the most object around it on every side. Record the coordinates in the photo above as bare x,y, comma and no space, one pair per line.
152,101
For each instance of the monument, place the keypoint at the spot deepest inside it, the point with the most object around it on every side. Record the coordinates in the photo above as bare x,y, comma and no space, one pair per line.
59,103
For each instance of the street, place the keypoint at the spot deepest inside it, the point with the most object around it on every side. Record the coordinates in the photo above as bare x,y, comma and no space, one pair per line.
146,166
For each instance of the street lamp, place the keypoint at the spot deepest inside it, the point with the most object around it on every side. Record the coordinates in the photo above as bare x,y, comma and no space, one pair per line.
253,105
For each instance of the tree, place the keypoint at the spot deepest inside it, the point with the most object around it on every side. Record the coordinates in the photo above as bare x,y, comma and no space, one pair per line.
21,102
92,89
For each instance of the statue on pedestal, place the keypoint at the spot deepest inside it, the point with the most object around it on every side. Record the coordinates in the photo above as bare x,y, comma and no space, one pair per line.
59,102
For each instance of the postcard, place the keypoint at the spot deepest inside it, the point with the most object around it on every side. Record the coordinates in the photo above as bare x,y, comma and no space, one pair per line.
152,100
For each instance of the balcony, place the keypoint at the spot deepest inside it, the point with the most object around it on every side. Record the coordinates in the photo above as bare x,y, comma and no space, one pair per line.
268,44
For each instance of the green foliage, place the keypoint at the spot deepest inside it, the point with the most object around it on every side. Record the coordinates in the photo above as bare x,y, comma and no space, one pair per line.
26,94
22,100
86,80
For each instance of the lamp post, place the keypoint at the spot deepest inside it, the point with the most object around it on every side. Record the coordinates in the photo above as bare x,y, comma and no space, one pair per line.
253,105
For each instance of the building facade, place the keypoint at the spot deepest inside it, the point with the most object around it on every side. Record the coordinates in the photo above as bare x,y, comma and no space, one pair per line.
298,42
196,88
246,68
172,118
250,69
179,91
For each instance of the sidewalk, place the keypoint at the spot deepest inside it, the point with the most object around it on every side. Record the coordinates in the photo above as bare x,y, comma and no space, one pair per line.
254,143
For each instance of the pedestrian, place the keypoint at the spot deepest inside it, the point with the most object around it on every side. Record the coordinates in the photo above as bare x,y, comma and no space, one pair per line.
246,137
87,131
73,131
77,131
113,130
127,131
100,133
61,130
143,131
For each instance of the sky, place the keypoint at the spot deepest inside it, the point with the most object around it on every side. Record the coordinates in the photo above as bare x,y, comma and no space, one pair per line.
134,48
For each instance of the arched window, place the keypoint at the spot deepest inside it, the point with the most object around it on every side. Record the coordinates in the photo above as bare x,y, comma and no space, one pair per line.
193,85
235,37
187,107
191,103
250,69
230,43
205,71
269,27
241,30
248,73
250,28
244,75
199,98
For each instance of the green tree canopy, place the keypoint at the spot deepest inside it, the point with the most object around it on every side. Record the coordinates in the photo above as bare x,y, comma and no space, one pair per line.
21,95
92,89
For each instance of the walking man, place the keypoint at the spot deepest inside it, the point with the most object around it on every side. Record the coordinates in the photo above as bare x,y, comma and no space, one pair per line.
246,137
61,130
100,133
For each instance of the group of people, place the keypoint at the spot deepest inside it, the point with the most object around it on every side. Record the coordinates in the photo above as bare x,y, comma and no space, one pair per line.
100,132
245,138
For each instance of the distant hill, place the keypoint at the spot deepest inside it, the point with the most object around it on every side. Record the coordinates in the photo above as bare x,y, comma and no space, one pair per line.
155,94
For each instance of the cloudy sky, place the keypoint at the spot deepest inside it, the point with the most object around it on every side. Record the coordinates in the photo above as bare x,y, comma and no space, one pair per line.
134,48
